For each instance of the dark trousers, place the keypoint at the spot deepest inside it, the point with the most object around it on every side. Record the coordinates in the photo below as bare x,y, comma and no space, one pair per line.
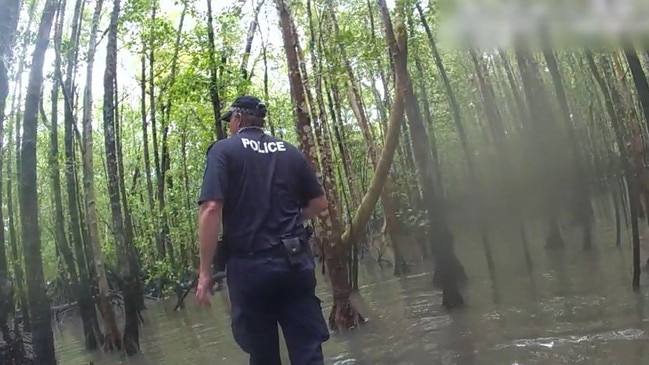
265,291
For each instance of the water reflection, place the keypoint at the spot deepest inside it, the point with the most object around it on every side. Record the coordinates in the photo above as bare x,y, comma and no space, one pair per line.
575,307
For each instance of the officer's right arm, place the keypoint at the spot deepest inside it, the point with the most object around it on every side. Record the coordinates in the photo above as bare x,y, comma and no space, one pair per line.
213,193
313,197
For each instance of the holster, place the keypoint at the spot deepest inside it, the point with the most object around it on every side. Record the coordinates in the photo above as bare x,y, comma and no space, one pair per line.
221,256
293,249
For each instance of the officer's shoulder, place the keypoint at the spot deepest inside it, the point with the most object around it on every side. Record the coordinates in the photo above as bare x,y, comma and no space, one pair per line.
219,145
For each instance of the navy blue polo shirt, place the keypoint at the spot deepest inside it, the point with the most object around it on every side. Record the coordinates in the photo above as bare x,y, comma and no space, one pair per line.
257,211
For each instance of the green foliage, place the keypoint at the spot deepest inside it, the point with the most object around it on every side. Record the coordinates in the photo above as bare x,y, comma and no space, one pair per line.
190,117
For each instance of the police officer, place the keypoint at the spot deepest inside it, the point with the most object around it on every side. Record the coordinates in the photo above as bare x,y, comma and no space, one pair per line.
263,189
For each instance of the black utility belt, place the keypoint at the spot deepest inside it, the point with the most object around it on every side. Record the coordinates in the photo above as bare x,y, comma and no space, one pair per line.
292,248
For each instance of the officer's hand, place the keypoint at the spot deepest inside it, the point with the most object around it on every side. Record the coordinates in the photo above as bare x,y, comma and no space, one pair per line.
203,290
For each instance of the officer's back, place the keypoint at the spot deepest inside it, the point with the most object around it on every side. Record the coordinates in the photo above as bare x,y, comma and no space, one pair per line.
269,194
264,188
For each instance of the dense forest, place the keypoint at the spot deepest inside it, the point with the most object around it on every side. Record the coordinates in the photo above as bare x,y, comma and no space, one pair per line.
107,109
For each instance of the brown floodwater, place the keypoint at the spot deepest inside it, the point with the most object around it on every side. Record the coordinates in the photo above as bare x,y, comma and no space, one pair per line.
575,307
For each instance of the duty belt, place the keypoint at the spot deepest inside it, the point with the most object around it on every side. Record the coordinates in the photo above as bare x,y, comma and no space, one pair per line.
273,250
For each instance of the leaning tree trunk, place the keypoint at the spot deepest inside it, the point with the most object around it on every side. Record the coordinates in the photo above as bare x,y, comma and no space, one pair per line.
394,227
131,337
37,300
640,81
449,270
376,186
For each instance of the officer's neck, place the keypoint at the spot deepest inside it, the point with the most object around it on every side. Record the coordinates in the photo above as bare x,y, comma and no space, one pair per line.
250,129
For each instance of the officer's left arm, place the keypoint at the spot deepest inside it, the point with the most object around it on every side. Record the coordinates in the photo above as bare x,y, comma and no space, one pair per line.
211,206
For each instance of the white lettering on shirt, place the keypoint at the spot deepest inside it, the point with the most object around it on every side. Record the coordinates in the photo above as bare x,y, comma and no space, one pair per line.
263,147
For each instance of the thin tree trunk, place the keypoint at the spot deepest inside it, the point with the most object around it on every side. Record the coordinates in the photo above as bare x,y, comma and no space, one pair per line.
493,117
162,253
145,141
449,270
55,176
343,314
582,205
543,134
19,274
8,24
14,223
75,231
131,337
214,86
394,226
468,150
105,307
250,36
38,302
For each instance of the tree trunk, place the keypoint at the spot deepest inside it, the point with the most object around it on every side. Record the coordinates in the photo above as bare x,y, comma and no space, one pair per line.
75,229
14,224
394,226
145,142
582,206
250,36
343,314
449,270
19,275
542,135
494,119
468,150
131,337
162,253
214,86
38,302
640,81
368,203
8,24
55,176
111,337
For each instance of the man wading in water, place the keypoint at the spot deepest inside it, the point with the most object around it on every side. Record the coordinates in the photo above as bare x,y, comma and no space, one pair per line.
263,188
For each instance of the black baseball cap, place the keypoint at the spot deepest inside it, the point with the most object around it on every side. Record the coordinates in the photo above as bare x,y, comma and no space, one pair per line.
246,104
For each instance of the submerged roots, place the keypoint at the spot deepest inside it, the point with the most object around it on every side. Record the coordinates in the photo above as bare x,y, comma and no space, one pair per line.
344,316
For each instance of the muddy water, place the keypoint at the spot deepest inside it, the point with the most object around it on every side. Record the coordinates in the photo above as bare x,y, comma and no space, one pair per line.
573,308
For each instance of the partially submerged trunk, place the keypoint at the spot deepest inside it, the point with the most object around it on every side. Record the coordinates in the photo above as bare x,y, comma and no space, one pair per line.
469,153
8,24
37,300
545,138
105,307
76,230
343,314
448,269
582,206
394,227
53,162
130,341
